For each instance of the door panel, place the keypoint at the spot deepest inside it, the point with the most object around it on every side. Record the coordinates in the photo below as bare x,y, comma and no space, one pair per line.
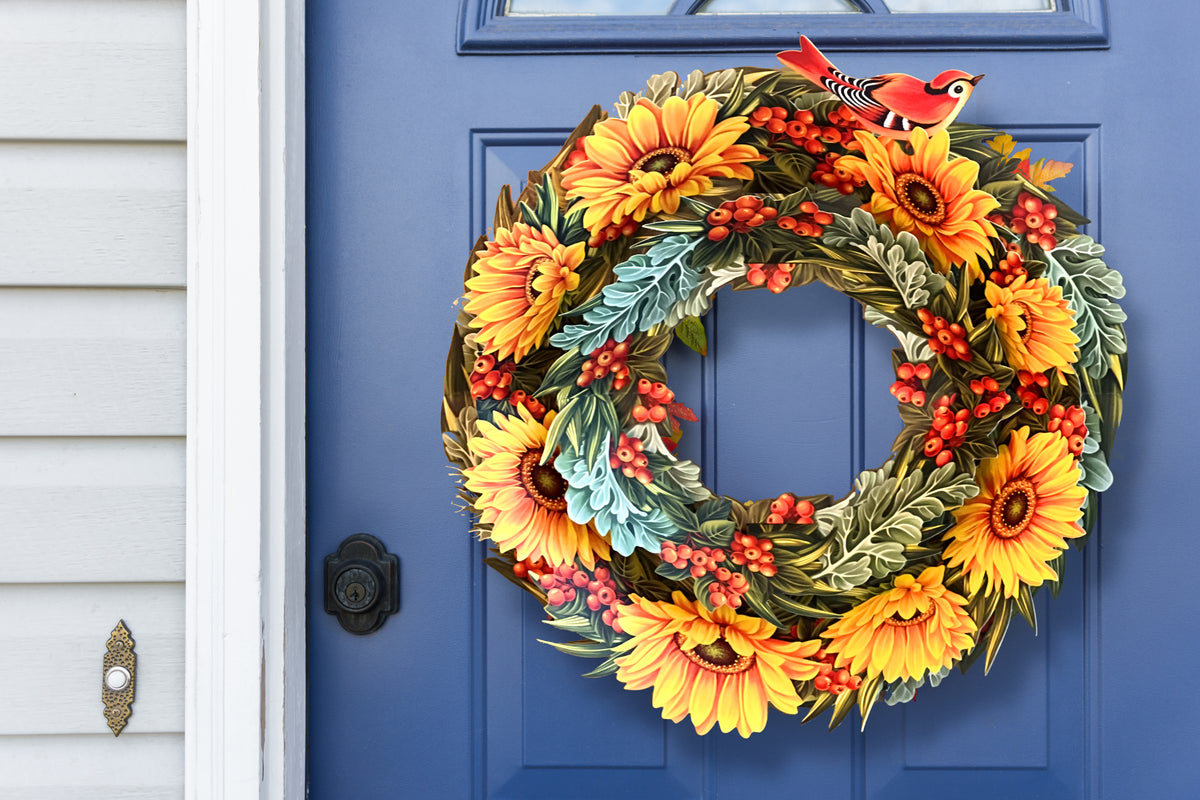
454,697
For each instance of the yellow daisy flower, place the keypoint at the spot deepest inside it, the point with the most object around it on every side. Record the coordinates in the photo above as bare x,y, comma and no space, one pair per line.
718,666
518,287
917,626
928,194
524,500
1035,324
1029,504
648,161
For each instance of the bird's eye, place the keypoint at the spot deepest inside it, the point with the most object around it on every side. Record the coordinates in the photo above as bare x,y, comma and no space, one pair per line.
956,89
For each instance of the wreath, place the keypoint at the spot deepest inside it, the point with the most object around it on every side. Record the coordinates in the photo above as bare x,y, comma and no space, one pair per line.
559,418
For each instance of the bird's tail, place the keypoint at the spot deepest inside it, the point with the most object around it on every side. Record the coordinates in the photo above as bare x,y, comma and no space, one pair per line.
808,61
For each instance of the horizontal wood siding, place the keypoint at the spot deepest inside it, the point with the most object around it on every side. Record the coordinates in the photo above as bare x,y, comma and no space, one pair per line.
92,509
133,767
92,403
92,362
93,69
89,214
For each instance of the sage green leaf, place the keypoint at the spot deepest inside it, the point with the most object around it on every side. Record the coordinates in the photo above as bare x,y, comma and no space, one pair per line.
871,528
1090,287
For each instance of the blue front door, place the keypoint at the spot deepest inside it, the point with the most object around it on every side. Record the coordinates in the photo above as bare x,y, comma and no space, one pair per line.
408,146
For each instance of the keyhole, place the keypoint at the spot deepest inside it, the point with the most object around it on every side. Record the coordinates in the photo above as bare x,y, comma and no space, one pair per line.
356,589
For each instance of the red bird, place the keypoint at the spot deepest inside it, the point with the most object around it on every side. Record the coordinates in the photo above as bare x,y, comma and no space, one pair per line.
889,105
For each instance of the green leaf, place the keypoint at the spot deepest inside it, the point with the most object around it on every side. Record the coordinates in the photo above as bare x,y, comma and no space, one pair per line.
870,529
691,332
647,287
1089,287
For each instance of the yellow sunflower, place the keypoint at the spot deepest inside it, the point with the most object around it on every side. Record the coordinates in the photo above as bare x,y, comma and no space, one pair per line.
718,666
523,499
655,156
1029,504
518,286
928,194
918,625
1035,324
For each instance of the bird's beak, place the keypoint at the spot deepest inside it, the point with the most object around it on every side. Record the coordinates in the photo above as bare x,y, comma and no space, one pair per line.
976,79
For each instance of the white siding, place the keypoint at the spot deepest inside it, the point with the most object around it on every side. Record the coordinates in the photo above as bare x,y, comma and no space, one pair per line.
92,373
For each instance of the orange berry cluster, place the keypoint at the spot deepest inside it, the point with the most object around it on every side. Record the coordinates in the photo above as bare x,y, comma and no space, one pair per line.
992,400
949,430
738,216
785,509
534,406
653,400
727,592
945,338
777,277
607,359
809,222
1070,423
1034,220
558,584
728,586
908,387
828,173
699,561
1030,391
754,554
803,129
565,582
531,568
490,379
612,233
1011,268
834,681
629,458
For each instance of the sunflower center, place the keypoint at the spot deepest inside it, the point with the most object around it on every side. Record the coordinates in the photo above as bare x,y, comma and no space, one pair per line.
543,483
663,160
1026,317
531,294
1013,508
897,621
918,196
716,657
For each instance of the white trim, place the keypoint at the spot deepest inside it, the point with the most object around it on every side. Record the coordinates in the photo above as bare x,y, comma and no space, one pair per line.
245,693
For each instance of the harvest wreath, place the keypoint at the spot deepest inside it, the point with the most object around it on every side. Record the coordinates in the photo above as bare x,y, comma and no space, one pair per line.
1008,376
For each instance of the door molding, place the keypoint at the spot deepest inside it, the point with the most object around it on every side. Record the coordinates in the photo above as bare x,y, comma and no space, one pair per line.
245,620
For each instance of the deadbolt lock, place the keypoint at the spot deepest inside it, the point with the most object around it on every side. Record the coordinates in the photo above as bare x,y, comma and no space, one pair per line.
362,584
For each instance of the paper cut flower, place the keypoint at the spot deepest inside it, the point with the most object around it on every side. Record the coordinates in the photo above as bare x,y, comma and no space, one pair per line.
1035,324
717,666
917,626
1029,504
647,162
524,500
518,287
928,195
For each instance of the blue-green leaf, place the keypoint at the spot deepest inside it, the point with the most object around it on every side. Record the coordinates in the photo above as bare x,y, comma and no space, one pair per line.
646,289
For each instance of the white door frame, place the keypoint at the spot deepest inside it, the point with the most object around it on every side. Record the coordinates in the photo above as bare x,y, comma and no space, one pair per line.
245,628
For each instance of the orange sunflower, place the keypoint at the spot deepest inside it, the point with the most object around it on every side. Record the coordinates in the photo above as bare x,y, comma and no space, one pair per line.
928,194
522,499
1029,504
655,156
718,666
918,625
518,286
1035,324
